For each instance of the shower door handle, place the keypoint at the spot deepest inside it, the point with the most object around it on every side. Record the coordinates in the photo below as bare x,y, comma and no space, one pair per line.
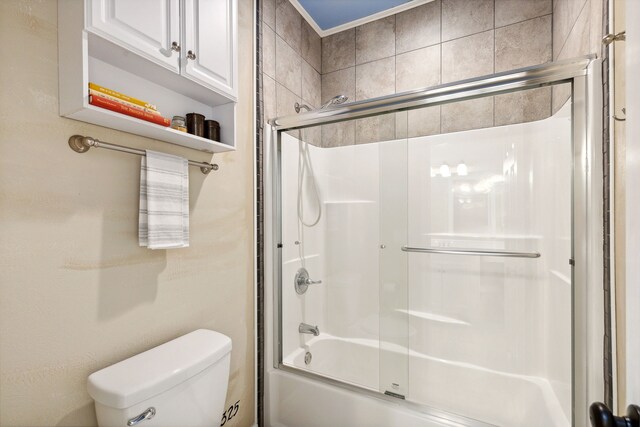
601,416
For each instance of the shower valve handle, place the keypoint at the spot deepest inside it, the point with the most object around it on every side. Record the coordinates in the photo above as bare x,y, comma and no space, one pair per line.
302,281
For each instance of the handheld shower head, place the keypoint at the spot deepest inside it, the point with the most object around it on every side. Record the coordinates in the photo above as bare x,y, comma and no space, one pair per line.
336,100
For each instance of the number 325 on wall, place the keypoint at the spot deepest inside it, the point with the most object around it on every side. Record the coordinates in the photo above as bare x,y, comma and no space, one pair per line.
230,413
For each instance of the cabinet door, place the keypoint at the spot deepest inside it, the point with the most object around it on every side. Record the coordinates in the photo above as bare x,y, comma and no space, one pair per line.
146,27
210,40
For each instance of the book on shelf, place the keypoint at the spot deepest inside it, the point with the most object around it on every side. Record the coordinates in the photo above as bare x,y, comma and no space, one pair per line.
123,97
120,101
108,104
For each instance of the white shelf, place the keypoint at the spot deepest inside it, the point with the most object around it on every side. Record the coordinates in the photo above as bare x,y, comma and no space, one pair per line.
110,119
87,57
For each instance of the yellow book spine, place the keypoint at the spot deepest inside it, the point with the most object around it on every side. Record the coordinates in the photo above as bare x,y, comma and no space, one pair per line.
121,96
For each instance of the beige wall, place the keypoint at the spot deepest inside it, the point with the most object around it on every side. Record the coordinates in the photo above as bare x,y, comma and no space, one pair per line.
619,146
76,291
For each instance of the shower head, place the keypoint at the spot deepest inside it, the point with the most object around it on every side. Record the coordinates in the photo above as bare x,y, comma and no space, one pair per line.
298,107
339,99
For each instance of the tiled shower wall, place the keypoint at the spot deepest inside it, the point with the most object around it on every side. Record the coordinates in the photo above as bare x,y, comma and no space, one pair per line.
577,31
439,42
291,61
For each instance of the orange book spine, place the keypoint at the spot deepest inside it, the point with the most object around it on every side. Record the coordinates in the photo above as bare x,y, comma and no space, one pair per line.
102,102
120,101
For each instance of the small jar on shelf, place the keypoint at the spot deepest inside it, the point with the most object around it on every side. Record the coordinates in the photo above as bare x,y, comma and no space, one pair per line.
179,123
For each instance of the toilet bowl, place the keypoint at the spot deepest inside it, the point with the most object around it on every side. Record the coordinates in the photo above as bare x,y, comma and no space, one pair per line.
180,383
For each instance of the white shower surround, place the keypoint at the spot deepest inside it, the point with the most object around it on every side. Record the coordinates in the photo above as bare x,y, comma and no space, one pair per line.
447,374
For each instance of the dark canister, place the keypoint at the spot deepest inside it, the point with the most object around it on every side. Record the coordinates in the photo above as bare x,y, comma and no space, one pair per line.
212,130
195,124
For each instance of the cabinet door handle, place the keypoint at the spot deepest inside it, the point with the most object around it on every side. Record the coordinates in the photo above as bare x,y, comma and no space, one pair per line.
175,47
191,55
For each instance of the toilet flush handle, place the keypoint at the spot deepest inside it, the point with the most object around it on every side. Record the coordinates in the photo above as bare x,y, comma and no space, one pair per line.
146,415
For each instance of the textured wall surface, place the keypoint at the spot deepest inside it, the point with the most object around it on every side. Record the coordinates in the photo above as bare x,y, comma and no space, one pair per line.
439,42
577,31
291,62
76,291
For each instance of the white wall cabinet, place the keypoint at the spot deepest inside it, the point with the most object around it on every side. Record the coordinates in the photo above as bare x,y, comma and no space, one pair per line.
198,41
150,28
179,55
210,43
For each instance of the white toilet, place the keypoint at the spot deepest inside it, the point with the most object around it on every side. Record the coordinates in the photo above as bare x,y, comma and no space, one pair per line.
179,383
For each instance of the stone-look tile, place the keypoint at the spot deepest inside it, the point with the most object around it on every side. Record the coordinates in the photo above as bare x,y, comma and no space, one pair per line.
338,134
577,43
342,82
269,13
376,129
565,14
375,79
269,97
268,51
418,69
511,11
288,67
311,85
285,101
515,48
463,17
311,46
467,57
339,51
423,122
401,125
523,106
466,115
376,40
418,27
285,104
289,24
560,94
420,122
312,135
595,33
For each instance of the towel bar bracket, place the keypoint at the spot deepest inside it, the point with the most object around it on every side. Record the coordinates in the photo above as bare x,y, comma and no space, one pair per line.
82,144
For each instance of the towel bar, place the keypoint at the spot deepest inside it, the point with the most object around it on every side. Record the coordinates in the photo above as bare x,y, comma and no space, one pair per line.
82,144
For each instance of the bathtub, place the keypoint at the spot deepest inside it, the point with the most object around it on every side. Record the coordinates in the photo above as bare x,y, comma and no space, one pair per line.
455,387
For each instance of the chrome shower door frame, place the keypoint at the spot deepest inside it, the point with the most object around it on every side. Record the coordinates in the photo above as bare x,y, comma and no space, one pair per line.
584,75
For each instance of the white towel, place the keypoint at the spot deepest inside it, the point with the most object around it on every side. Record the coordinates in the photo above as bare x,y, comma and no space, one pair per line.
163,220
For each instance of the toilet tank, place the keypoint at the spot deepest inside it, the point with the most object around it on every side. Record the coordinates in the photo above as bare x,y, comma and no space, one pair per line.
180,383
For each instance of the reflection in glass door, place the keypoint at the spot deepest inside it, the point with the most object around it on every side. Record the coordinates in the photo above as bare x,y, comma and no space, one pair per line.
489,297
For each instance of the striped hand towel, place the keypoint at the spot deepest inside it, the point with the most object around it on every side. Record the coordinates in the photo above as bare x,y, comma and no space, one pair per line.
163,220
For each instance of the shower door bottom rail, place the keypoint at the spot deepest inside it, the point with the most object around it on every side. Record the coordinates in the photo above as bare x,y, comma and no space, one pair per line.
472,252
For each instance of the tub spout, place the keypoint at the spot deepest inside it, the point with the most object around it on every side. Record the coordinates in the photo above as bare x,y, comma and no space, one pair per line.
308,329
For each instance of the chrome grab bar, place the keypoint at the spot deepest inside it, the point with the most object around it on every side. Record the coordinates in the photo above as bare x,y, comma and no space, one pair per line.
478,252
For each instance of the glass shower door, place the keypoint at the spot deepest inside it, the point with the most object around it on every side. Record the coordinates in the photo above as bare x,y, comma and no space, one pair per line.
489,280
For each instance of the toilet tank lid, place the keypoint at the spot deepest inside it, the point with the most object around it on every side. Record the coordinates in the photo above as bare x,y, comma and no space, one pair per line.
157,370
